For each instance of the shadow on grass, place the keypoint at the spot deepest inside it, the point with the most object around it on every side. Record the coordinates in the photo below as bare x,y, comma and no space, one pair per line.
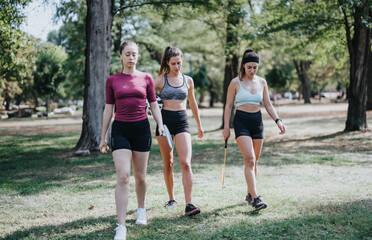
32,164
332,221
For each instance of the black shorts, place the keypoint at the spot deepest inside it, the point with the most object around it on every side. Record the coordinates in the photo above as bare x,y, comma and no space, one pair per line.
135,136
176,121
248,124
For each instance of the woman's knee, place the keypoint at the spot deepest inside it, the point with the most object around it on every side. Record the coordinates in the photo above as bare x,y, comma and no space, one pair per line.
140,178
168,165
250,162
185,165
123,179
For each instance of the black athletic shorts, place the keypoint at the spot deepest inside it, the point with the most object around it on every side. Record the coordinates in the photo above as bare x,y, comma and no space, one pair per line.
248,124
134,136
176,121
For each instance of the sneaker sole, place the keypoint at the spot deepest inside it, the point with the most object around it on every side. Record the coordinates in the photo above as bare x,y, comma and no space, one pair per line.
260,208
192,213
141,223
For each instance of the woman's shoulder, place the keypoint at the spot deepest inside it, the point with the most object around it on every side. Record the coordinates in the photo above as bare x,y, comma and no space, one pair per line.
114,76
159,78
262,80
235,81
189,80
187,77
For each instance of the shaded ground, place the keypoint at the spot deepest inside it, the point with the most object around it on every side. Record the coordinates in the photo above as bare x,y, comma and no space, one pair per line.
316,179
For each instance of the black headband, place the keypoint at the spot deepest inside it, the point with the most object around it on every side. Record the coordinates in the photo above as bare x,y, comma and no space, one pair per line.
251,59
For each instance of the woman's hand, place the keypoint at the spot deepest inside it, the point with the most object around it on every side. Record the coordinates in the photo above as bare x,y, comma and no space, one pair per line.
226,133
103,148
200,132
281,127
161,130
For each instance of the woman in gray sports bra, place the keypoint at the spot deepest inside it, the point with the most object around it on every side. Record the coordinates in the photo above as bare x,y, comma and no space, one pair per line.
175,89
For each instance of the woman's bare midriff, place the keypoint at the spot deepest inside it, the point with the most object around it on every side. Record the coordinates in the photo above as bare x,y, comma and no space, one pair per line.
251,108
174,105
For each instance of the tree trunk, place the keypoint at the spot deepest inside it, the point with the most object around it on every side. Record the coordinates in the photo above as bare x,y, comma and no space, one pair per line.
231,53
212,94
360,53
369,83
301,68
97,69
119,28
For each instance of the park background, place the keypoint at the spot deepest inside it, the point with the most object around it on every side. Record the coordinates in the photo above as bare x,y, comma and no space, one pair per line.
315,55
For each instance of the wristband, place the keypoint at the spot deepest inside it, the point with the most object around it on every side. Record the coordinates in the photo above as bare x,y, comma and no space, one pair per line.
278,119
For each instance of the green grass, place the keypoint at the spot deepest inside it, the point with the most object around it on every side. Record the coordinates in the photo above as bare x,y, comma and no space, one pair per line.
316,180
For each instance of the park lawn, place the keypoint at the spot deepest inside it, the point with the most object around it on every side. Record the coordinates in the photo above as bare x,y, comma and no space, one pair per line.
316,179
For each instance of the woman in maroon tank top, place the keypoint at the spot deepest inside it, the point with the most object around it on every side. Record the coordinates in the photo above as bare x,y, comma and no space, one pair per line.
130,135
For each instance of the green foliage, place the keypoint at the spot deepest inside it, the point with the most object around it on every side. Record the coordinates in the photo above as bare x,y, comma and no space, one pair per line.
276,78
201,78
49,73
13,67
72,37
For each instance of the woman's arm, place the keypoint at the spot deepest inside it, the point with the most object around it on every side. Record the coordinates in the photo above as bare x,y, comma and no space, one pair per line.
270,108
157,116
107,116
194,107
231,91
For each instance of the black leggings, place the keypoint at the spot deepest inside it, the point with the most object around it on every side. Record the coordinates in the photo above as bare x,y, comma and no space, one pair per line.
176,121
134,136
248,124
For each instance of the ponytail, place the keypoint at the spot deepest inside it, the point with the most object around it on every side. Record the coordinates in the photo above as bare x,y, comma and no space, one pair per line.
169,52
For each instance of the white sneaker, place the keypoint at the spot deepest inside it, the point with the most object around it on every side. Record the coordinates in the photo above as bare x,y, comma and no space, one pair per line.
121,232
141,216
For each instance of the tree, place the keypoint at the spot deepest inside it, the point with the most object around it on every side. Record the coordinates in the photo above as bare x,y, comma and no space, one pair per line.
72,37
234,15
369,85
97,69
201,81
49,73
11,41
359,38
324,19
302,67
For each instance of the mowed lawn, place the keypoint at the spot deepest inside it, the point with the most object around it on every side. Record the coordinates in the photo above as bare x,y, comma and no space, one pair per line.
316,179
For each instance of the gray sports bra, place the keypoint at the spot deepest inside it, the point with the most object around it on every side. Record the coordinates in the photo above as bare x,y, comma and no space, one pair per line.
174,93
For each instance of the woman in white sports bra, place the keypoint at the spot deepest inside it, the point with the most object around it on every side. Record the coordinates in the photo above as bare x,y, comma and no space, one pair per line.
247,92
175,89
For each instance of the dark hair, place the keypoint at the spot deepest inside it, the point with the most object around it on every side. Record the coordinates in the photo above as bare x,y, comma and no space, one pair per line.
248,56
121,49
169,52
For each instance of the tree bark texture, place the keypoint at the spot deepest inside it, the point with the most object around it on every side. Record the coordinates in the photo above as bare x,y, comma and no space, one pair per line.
369,83
359,46
231,53
97,69
302,67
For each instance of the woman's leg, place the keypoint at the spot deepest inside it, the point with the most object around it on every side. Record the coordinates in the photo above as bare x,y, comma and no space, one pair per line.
122,159
168,162
245,144
257,147
184,150
140,160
